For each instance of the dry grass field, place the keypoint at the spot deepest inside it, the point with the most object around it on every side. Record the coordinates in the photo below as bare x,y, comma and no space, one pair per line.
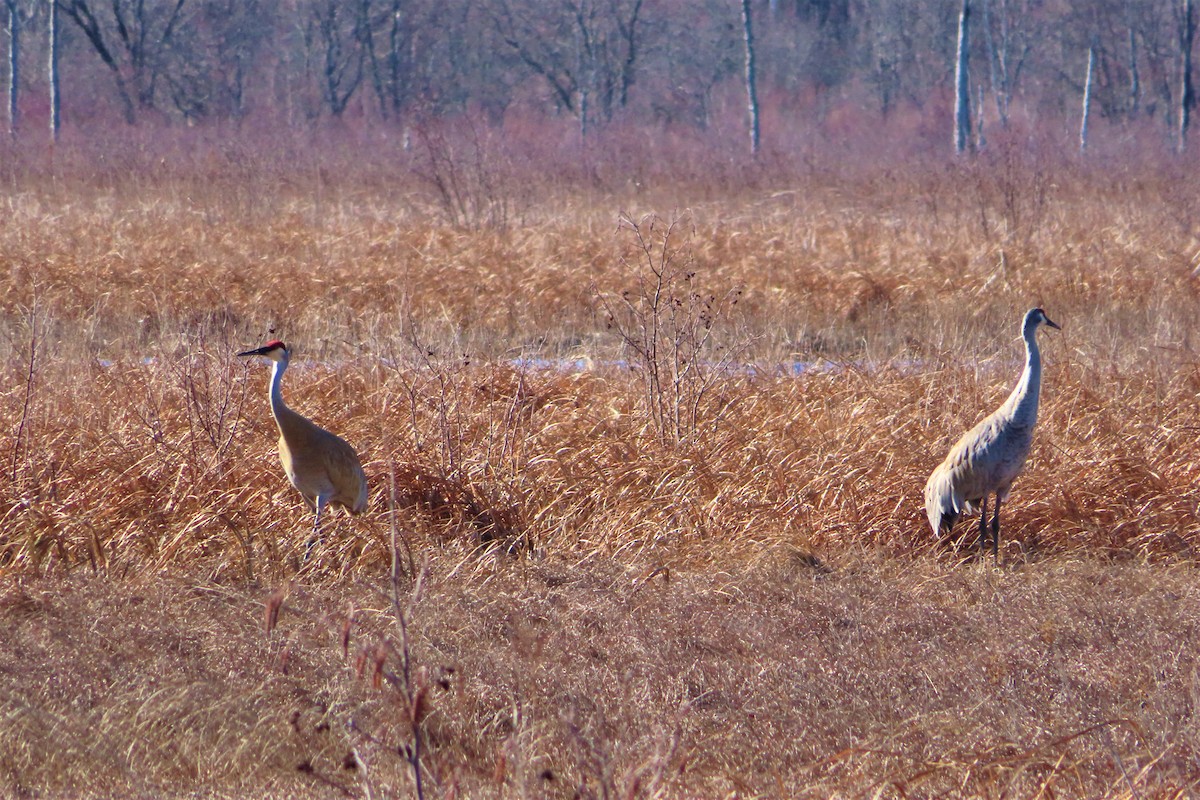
646,460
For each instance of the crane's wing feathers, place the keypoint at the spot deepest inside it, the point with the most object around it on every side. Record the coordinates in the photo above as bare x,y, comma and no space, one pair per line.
986,458
320,462
345,472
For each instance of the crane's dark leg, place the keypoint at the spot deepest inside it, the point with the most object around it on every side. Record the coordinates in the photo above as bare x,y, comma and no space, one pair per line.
320,507
322,501
996,530
983,523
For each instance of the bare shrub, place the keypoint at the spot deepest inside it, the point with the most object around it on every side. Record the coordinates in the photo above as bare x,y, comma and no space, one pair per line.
464,167
444,476
679,335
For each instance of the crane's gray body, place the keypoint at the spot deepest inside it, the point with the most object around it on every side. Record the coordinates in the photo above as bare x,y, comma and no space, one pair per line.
322,466
989,457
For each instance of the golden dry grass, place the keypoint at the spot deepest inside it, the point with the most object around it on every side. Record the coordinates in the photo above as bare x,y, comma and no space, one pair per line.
561,678
746,603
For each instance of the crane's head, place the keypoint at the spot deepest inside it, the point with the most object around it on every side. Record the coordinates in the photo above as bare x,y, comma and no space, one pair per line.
1035,317
274,350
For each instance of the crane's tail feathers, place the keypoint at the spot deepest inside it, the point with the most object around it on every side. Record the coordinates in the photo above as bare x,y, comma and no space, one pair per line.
943,502
360,505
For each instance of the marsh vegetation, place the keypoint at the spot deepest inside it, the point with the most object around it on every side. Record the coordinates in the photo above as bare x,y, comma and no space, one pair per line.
617,545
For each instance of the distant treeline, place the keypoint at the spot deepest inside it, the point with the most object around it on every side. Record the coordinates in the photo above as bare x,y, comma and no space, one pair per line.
596,62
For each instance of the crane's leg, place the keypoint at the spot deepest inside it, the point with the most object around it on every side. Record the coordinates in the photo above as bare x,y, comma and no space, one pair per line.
322,501
983,523
996,530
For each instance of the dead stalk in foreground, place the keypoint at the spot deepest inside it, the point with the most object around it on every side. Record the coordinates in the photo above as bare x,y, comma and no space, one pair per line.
31,317
413,691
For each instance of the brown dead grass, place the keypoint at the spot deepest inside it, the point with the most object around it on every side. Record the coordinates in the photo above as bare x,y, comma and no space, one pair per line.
561,678
750,605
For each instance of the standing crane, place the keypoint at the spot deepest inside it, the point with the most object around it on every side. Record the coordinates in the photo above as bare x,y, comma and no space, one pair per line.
321,465
990,456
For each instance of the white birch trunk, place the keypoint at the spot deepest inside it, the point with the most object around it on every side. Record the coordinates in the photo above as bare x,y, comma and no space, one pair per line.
962,90
1135,83
980,139
751,88
52,70
1187,35
1087,99
14,65
997,62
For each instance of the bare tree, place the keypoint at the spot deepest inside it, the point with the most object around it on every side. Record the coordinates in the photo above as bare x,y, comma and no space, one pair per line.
339,37
52,71
585,50
980,138
997,60
1135,83
132,39
1087,98
751,78
1006,38
14,63
595,59
211,66
1187,35
417,50
387,32
962,90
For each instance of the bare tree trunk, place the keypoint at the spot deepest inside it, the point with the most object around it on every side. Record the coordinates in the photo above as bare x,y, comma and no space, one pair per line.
342,55
82,14
998,60
52,69
367,36
751,88
14,64
584,110
980,139
585,68
1087,99
1135,84
962,90
1187,35
628,31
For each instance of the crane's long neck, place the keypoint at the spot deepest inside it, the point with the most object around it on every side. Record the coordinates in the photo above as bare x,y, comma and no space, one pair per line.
283,415
1024,397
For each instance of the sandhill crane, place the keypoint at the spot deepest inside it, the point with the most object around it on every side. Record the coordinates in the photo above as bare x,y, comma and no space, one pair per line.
322,466
990,456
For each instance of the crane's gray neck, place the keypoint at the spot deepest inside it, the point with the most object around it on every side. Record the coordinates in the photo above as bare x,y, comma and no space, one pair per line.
278,409
1025,395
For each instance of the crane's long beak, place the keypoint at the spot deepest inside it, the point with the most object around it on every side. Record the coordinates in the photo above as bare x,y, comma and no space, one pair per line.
261,351
1053,324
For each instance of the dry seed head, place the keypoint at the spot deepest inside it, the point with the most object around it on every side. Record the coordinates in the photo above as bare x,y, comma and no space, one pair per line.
347,624
360,661
420,706
285,657
273,607
500,770
378,661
